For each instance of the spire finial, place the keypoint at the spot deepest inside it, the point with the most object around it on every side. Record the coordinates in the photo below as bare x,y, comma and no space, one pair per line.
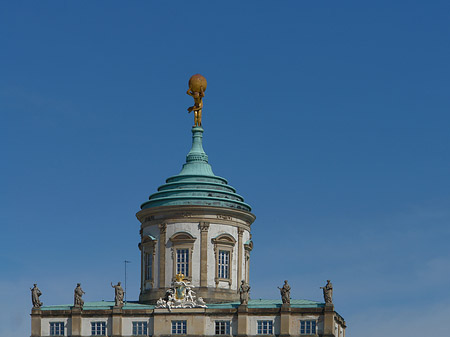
197,87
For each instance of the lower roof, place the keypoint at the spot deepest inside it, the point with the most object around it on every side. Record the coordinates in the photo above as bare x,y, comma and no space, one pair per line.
260,303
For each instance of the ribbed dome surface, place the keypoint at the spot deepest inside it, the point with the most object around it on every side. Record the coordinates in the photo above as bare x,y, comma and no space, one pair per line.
196,184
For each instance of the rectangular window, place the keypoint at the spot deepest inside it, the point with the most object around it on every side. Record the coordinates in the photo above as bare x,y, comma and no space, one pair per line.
98,328
148,266
307,327
57,329
223,327
183,262
224,264
139,328
265,327
179,327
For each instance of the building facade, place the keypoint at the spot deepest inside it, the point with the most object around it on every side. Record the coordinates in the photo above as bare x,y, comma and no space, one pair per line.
195,244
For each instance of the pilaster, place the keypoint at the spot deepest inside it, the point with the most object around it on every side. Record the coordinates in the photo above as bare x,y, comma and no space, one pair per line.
204,227
36,322
240,255
76,322
162,255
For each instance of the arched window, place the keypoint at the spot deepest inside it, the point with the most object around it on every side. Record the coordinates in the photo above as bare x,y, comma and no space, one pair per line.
223,250
147,247
182,247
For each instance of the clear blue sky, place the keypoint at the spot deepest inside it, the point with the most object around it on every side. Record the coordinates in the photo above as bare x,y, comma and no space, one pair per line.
331,118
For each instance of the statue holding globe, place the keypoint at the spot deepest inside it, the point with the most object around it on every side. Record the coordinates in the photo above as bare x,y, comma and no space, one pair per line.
197,87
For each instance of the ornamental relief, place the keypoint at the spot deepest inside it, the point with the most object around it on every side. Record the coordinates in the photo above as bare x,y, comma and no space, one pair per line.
224,217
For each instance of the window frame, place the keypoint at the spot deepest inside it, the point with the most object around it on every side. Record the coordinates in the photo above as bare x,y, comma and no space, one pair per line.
224,242
135,328
223,264
260,329
227,326
61,325
312,326
182,240
148,250
175,328
182,261
103,328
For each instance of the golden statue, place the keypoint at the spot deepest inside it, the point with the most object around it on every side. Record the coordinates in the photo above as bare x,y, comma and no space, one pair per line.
197,87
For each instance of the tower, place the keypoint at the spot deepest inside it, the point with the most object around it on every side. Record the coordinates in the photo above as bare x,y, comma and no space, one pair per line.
195,224
195,234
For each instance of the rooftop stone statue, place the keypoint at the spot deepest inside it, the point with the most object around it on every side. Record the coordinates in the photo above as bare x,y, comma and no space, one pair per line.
328,292
78,293
285,292
35,293
118,294
244,291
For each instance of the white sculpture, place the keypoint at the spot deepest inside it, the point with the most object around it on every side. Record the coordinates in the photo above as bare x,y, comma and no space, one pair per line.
180,295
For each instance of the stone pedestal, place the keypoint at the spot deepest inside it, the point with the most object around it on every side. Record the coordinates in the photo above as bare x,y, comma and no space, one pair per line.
242,321
328,319
35,322
285,320
116,322
76,321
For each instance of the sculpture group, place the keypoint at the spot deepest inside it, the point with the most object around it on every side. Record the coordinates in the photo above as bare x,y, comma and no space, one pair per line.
180,295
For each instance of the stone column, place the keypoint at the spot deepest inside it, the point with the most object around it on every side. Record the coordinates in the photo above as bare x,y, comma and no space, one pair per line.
242,321
204,227
162,255
285,320
36,322
141,248
240,256
116,322
76,322
328,320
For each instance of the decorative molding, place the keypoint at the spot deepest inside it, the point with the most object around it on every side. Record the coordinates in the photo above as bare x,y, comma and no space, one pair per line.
182,237
224,217
224,239
162,228
249,246
203,226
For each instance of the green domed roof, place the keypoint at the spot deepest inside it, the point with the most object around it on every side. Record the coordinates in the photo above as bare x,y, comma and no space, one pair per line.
196,184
